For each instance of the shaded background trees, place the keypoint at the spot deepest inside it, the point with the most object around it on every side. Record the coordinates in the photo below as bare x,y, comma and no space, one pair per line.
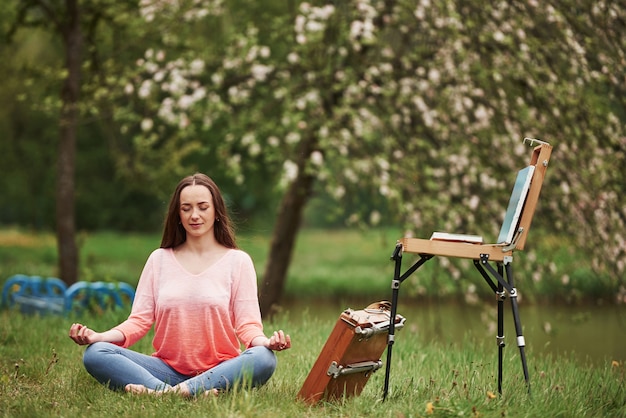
378,111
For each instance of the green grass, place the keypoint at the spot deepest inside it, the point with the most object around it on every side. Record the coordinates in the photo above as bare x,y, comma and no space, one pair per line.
41,375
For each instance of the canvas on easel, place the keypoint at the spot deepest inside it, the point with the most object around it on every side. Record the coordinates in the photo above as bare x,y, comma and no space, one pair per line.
511,216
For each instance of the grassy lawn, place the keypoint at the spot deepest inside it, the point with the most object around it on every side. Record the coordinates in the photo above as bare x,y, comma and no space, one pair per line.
41,373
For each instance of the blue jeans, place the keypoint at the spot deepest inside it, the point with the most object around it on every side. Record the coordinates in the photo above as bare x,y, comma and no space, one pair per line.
116,367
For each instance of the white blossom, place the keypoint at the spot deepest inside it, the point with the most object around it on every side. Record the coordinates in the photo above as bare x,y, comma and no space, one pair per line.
196,66
375,217
434,75
299,24
248,139
323,13
217,79
290,171
473,202
185,101
254,149
151,67
147,124
292,138
293,58
339,192
317,158
183,121
313,26
350,175
356,28
260,72
498,36
273,141
145,89
199,93
159,76
166,111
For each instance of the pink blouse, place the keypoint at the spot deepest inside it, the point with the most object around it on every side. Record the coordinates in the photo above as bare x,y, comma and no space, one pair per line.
199,320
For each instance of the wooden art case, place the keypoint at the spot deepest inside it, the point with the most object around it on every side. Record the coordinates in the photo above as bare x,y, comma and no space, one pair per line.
351,354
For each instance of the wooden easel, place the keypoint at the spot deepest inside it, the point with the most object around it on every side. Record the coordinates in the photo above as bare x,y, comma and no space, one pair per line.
500,279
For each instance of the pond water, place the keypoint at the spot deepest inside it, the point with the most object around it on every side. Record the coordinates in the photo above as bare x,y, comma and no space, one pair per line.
592,335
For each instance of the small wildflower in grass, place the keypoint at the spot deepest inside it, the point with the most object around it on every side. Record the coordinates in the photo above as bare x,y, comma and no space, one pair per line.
615,364
430,408
491,395
53,361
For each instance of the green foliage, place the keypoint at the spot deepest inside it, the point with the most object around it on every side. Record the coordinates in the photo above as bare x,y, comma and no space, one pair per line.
399,110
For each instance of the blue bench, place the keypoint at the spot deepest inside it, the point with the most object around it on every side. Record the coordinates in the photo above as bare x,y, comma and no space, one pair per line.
37,295
34,294
98,295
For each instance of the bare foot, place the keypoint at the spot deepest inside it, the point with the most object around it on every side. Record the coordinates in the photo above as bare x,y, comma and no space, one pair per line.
210,392
181,389
139,389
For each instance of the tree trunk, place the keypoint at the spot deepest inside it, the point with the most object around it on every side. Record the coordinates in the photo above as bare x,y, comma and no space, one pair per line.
285,232
66,163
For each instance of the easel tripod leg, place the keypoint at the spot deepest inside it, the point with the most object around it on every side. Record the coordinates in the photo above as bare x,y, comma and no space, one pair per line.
398,278
395,286
521,342
500,295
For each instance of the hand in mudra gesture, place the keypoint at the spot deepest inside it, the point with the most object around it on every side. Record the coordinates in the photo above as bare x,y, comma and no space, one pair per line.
82,335
279,341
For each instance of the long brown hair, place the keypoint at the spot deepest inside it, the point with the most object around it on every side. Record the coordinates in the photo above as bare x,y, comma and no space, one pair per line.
173,232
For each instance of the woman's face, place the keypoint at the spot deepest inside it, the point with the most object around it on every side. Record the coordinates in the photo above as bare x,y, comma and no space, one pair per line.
197,213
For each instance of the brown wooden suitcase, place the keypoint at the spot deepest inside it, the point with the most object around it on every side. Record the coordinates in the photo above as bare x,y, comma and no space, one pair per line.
351,354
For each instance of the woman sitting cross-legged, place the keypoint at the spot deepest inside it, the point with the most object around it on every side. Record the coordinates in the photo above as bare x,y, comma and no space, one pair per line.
200,292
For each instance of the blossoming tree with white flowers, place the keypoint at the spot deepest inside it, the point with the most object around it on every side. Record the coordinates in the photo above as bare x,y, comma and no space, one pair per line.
410,113
417,108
